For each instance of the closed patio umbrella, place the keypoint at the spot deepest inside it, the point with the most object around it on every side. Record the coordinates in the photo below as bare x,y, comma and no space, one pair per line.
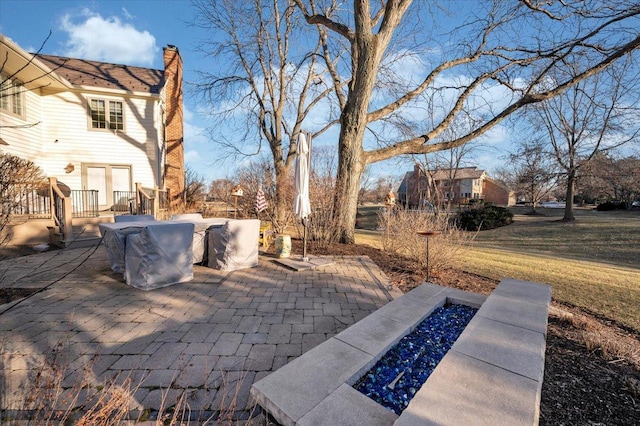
301,204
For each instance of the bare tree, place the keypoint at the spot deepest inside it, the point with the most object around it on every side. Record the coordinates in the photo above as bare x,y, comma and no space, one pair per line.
366,183
268,85
219,189
194,187
489,50
451,160
530,172
439,190
254,175
609,177
626,182
594,115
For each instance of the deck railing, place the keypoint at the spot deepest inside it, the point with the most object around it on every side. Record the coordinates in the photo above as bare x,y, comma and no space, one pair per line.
58,202
124,202
34,203
153,201
85,203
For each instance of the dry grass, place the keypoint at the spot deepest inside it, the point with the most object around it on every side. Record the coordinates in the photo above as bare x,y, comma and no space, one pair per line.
593,263
607,290
46,400
612,344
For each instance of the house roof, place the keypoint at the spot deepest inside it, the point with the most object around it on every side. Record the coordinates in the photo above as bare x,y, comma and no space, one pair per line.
443,175
80,72
461,173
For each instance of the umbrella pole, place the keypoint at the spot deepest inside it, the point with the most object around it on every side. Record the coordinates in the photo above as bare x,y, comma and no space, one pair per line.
304,241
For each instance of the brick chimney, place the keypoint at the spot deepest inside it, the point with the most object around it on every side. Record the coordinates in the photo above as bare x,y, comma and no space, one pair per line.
174,132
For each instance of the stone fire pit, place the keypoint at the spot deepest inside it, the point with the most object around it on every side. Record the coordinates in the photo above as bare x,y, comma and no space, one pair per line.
492,374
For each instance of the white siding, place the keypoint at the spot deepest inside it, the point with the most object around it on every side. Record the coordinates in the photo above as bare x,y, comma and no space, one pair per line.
24,141
66,119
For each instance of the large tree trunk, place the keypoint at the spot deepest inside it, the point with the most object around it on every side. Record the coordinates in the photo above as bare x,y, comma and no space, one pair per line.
353,124
282,201
568,209
350,169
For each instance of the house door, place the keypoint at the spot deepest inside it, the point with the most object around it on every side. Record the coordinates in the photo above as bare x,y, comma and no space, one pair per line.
105,179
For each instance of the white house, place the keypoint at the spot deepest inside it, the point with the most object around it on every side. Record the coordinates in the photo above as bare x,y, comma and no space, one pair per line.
94,125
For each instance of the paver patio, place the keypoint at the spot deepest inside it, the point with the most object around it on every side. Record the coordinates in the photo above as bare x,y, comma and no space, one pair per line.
207,340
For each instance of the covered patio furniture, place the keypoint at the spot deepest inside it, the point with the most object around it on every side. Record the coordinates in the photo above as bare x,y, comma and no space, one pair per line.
114,238
134,218
202,226
234,245
159,255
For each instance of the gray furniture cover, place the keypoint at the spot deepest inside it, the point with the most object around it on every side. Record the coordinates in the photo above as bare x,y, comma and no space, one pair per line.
134,218
202,225
114,236
186,216
159,255
234,245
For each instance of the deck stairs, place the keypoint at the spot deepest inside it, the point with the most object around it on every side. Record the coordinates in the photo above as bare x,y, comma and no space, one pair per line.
86,232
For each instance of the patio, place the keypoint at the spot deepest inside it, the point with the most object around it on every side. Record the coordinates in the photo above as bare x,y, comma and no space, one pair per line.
206,340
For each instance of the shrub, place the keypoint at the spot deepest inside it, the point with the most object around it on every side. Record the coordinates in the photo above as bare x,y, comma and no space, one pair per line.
483,218
17,178
401,237
609,205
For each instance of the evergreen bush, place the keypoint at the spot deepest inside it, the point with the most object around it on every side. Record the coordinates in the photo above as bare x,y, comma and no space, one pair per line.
483,218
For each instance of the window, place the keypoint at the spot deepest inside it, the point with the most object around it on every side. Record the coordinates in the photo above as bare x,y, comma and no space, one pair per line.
107,114
11,96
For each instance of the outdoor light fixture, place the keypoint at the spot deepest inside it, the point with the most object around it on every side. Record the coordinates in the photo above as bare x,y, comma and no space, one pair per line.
70,167
428,234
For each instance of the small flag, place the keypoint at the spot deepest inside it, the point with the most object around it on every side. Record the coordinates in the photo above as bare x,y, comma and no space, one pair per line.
261,201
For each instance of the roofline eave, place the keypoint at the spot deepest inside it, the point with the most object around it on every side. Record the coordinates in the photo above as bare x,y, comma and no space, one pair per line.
30,69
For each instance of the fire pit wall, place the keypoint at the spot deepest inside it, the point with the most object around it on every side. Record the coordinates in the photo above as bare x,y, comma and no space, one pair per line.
492,374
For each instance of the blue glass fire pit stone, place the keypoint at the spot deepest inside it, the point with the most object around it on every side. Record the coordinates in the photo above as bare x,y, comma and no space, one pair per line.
398,375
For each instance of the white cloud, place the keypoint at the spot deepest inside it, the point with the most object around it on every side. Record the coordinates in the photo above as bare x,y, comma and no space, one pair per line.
496,136
94,37
126,13
193,133
188,114
191,156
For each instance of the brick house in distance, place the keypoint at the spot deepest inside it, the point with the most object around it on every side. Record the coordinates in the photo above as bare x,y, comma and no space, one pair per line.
459,186
95,125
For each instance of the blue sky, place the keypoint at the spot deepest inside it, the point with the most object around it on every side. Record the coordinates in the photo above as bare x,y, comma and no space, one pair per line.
129,32
134,32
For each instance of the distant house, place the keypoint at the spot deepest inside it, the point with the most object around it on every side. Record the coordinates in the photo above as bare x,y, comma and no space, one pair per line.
459,186
94,125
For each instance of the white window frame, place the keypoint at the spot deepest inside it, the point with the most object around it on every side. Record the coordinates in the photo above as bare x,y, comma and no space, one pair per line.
109,106
12,97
